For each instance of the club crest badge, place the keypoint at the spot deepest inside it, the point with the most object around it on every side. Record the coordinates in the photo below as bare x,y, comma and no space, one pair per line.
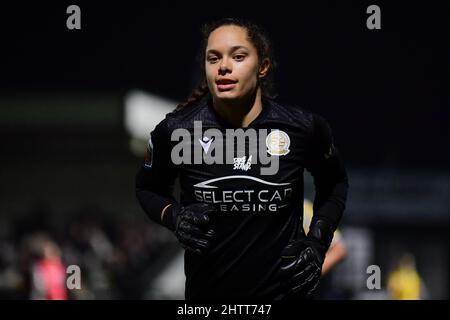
278,143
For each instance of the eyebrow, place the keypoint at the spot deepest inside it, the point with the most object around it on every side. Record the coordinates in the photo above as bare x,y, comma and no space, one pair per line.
234,48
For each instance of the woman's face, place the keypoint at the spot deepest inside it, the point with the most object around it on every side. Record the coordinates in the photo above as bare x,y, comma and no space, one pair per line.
231,65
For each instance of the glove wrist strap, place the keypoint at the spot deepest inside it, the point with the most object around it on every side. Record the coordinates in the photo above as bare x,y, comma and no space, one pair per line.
168,216
322,231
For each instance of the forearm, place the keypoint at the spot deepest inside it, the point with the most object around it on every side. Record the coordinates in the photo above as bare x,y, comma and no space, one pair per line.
329,173
329,203
154,198
334,255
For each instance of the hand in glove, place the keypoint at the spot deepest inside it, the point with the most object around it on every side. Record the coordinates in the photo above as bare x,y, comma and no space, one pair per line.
302,260
191,225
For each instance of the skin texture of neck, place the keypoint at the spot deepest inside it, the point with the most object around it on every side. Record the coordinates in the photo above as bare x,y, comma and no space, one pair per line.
240,112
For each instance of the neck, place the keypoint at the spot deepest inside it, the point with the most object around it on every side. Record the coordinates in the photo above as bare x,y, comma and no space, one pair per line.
240,112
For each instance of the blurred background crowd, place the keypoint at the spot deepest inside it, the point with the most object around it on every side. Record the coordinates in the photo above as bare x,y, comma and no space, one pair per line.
117,258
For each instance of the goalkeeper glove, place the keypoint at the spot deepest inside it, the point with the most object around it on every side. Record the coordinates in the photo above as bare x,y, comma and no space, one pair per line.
191,225
302,260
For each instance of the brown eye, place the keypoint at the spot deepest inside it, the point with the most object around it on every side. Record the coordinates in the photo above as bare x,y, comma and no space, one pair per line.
212,59
239,57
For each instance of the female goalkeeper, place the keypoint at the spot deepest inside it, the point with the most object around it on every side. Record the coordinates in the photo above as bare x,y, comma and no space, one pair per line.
240,157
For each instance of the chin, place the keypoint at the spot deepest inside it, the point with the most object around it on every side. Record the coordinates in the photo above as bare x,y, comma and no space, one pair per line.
227,95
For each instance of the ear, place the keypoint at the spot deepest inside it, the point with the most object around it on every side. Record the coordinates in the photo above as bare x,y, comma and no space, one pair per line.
264,68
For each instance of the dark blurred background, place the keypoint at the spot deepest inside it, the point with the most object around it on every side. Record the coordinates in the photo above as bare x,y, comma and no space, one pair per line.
69,157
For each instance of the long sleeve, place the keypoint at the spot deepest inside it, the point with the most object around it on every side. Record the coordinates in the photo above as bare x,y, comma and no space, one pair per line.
329,174
156,176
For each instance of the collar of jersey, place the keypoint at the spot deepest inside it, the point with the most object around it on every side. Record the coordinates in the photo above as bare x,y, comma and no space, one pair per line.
225,124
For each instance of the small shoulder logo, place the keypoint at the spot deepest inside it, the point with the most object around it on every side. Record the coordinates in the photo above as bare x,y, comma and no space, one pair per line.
278,143
148,161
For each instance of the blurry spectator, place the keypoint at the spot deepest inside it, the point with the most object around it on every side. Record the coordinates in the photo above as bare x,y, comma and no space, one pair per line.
48,273
405,283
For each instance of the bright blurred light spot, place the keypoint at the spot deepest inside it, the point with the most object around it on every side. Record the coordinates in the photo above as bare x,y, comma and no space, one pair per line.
143,111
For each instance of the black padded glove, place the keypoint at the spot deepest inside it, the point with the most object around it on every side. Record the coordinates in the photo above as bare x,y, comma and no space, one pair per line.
191,225
302,260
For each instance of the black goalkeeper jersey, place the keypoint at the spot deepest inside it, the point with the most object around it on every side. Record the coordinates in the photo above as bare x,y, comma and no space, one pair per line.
257,213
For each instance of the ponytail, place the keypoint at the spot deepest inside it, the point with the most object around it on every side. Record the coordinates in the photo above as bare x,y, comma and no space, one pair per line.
196,95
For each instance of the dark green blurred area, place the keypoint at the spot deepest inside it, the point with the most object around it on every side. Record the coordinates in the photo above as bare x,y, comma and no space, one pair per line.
65,149
75,110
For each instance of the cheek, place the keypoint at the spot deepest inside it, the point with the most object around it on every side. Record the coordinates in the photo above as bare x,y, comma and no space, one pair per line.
249,75
208,71
210,74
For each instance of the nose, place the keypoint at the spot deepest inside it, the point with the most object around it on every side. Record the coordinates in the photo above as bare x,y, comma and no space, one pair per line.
224,67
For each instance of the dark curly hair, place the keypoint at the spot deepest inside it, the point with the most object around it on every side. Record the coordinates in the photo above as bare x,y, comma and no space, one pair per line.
257,36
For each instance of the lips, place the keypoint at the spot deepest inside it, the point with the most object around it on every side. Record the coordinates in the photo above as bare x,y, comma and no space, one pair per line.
225,84
225,81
